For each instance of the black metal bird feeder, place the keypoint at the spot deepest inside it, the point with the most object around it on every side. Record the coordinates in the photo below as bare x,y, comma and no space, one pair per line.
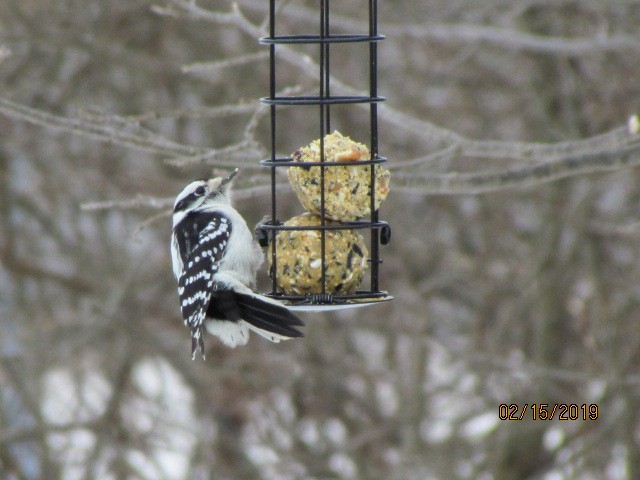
379,230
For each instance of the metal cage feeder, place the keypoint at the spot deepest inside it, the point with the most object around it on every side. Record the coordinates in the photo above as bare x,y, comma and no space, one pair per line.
380,232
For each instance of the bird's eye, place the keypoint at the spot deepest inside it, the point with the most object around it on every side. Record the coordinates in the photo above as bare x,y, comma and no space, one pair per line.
200,191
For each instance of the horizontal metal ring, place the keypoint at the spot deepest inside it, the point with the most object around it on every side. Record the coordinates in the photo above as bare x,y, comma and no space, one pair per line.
316,39
353,225
287,162
315,100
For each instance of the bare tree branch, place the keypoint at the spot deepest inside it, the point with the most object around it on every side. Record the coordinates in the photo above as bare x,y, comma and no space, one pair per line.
141,201
520,177
472,34
28,268
107,133
206,69
511,39
196,112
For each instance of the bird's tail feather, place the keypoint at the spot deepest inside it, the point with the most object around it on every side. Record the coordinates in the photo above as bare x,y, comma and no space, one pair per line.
268,318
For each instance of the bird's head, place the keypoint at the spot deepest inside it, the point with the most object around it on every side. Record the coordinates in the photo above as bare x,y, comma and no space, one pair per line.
201,194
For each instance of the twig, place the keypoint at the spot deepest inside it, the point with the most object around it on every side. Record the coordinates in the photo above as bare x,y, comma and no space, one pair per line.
259,190
196,112
141,201
615,138
207,68
29,269
135,235
262,111
114,130
427,161
496,36
521,177
190,10
224,157
512,39
108,133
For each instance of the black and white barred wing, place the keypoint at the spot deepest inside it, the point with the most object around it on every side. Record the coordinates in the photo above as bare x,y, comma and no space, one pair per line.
204,247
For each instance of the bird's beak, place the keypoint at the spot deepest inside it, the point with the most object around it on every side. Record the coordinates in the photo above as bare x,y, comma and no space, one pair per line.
228,178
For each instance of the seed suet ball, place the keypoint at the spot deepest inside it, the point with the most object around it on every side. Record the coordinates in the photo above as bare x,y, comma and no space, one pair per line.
299,258
347,193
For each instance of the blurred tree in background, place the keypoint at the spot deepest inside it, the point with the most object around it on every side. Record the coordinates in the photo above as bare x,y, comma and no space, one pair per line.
511,135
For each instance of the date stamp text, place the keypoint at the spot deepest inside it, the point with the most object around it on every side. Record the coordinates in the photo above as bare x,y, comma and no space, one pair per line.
548,411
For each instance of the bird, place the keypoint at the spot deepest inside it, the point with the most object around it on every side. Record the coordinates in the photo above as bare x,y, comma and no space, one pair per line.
215,260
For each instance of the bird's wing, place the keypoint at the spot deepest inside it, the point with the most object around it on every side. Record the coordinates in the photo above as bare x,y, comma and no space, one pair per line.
204,249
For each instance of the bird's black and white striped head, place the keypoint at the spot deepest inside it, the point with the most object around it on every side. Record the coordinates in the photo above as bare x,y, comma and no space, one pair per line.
202,194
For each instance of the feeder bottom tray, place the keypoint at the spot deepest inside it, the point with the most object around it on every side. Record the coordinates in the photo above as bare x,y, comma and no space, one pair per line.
313,304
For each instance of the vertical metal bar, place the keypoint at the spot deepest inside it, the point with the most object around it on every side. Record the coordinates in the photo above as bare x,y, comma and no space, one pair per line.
323,237
327,82
373,92
272,95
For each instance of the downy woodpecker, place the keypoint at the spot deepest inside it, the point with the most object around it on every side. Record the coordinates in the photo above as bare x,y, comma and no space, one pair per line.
215,260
